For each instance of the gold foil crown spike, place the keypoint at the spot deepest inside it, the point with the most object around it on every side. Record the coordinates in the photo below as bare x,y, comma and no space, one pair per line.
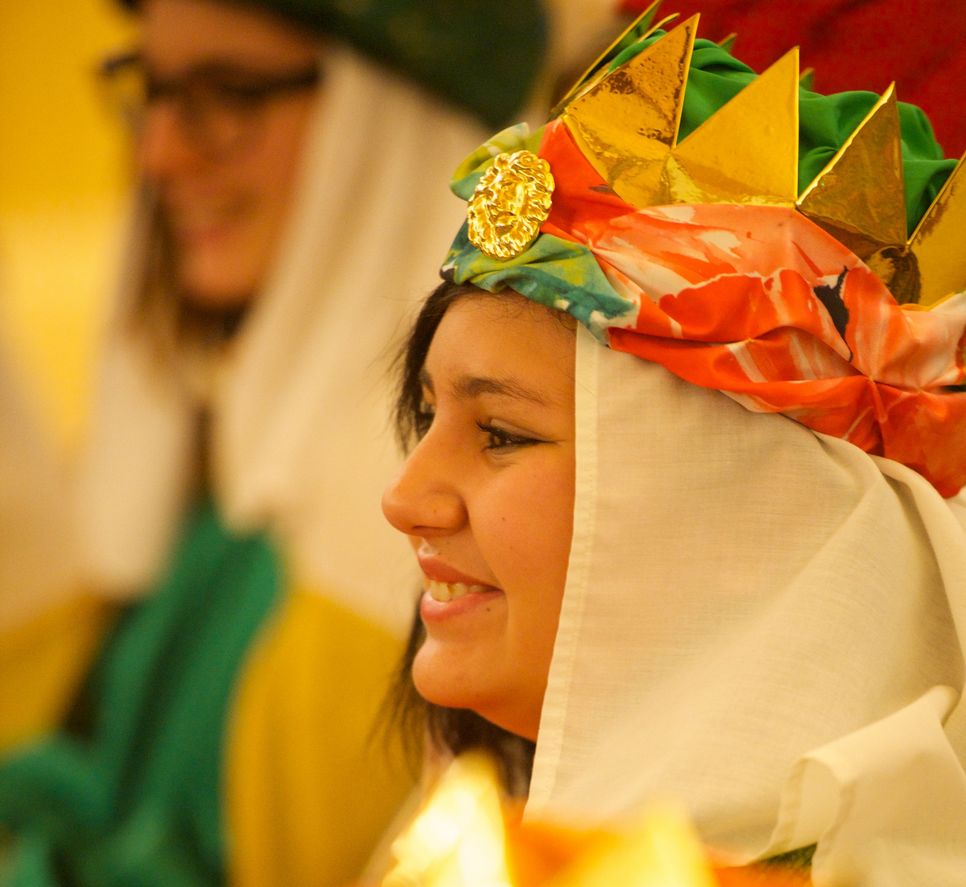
627,126
937,242
640,28
859,198
627,123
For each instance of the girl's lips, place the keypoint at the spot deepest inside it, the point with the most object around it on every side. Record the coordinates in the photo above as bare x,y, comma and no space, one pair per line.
448,589
439,572
452,611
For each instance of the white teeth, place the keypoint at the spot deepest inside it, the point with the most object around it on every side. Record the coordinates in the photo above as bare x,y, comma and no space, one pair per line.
450,591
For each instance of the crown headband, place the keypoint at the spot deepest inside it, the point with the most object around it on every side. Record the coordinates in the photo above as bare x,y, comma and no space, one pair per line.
710,243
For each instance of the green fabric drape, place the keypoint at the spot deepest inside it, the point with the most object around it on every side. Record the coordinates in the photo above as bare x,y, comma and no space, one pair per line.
130,792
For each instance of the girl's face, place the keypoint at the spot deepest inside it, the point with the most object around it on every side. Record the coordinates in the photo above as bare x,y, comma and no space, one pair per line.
225,205
486,498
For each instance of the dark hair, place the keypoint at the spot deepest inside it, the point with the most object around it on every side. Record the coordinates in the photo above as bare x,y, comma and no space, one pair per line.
449,729
410,417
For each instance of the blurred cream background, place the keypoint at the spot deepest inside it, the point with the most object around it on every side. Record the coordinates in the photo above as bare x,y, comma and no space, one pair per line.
64,169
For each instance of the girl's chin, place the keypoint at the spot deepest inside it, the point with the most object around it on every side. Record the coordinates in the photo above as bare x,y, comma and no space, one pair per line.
441,677
444,680
212,282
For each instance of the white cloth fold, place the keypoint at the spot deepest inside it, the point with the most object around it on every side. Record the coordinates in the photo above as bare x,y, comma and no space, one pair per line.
749,602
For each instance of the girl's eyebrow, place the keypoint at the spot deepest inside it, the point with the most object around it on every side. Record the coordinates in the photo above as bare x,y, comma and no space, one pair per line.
474,386
468,387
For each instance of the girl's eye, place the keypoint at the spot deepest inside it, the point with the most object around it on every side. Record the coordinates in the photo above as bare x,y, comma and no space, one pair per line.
423,418
501,439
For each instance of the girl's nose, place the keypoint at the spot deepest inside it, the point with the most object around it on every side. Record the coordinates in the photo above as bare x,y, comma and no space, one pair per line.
164,145
425,498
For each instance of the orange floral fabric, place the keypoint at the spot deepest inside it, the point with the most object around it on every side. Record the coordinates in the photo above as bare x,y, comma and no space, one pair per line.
760,303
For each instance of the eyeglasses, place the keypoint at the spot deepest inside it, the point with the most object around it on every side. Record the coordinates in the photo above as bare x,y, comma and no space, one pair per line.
219,106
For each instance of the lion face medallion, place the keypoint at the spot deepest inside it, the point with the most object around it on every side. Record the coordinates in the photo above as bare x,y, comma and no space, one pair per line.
510,203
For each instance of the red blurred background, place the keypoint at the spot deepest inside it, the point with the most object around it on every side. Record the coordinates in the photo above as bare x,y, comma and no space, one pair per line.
854,44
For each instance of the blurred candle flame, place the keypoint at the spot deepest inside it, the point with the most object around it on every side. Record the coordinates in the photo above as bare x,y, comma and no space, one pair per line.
466,835
458,838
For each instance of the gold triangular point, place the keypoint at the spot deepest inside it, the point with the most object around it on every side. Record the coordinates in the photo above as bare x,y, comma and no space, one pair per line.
937,242
626,124
859,197
747,152
636,30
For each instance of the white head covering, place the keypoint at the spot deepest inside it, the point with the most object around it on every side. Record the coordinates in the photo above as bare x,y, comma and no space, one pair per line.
762,622
301,441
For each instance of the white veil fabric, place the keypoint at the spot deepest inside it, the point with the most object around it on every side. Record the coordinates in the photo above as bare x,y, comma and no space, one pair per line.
762,623
301,439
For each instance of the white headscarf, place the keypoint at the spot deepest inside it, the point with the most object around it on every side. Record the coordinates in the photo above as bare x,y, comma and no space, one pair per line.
300,412
764,623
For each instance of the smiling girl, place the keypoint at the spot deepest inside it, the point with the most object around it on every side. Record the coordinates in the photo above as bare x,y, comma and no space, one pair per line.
487,498
731,572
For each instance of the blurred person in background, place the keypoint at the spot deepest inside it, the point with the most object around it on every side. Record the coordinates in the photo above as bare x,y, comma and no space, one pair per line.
202,710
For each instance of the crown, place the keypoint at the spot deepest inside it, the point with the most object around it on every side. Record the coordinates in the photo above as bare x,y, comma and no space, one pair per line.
625,113
688,239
